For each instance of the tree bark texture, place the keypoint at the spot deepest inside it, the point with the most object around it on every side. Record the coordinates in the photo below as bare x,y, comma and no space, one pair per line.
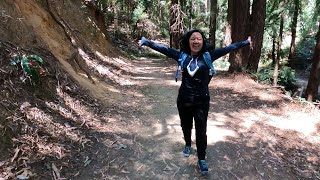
256,31
191,13
293,32
277,64
314,79
227,38
213,22
273,52
174,24
239,32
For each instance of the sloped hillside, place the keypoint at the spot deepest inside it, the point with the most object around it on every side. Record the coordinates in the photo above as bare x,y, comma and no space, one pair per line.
44,112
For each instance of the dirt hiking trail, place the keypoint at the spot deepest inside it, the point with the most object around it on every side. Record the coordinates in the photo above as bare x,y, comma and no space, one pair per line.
254,132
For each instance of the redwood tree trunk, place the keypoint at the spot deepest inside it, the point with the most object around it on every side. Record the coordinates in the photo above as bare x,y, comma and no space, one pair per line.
191,13
227,38
293,32
276,66
257,31
116,12
174,37
213,22
314,79
240,23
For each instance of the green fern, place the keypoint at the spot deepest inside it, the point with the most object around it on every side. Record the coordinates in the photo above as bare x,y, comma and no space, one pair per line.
25,62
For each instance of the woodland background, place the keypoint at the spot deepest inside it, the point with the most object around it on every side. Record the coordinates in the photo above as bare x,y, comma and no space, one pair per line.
284,32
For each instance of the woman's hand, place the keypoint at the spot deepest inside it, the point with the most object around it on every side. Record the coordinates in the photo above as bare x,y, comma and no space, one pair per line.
250,42
142,41
249,39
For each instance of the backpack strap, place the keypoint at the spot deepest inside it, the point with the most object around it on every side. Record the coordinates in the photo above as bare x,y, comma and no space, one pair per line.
207,58
184,56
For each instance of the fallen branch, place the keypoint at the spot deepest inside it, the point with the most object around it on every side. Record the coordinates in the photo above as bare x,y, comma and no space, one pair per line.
17,150
172,177
56,173
234,175
3,71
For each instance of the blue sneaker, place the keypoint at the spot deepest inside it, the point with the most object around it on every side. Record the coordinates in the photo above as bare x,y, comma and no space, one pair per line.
203,166
186,151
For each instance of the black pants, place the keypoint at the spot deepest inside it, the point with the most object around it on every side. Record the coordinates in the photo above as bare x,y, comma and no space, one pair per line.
197,110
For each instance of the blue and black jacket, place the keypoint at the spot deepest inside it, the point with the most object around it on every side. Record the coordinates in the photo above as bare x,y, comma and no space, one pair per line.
196,86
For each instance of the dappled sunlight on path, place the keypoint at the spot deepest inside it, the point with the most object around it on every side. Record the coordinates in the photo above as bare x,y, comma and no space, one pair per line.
251,134
247,123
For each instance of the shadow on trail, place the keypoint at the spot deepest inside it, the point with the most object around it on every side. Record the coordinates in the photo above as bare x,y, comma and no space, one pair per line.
258,154
253,150
153,151
247,156
228,100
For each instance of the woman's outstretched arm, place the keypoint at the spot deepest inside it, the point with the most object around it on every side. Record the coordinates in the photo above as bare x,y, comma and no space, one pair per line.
219,52
170,52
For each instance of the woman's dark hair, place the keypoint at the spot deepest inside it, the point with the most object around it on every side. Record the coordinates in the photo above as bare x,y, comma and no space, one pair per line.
184,41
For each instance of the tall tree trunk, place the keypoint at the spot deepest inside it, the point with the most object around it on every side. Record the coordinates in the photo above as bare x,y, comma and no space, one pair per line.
191,13
294,32
208,4
206,9
239,27
314,79
116,19
277,64
159,18
273,53
174,35
227,37
257,30
183,4
213,22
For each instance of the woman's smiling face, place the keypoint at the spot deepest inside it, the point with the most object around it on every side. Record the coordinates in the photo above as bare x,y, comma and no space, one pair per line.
195,43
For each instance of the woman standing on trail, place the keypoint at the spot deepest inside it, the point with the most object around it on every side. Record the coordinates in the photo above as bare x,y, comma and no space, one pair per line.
195,63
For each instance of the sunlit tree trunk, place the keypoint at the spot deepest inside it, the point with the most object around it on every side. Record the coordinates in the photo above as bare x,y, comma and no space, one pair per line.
256,31
239,27
191,13
116,19
206,6
294,32
314,79
174,36
227,38
277,63
160,17
213,22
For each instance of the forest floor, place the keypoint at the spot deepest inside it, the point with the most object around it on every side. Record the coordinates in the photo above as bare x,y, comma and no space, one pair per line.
254,132
133,131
